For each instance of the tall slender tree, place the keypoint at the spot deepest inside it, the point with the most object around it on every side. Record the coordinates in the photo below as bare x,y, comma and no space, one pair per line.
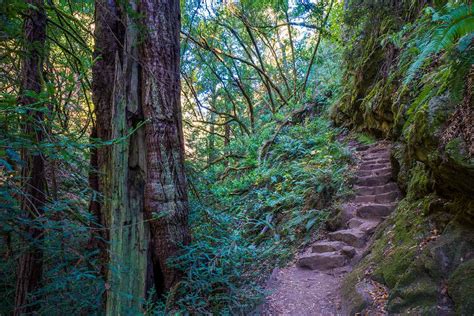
33,171
106,47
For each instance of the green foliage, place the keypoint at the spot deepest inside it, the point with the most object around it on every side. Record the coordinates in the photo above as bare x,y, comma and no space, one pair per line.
248,218
450,25
365,139
385,84
70,280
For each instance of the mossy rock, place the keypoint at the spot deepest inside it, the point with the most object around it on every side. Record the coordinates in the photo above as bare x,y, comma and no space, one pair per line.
353,300
420,295
461,288
455,172
453,247
406,258
425,123
395,265
439,109
420,181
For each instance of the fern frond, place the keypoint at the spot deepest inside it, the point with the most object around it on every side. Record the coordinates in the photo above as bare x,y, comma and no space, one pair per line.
454,25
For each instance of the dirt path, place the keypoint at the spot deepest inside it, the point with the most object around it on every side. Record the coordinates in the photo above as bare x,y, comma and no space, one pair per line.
311,286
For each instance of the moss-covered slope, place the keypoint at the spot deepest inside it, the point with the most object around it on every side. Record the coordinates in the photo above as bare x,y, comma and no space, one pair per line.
400,87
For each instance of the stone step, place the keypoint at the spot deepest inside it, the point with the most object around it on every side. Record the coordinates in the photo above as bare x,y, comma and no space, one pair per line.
327,246
374,166
375,210
365,225
353,237
388,197
348,251
371,153
373,159
322,261
369,226
377,161
376,158
374,180
375,150
381,189
362,148
376,172
355,222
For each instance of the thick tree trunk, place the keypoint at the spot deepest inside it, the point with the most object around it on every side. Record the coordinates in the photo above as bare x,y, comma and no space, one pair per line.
121,167
33,172
166,201
143,171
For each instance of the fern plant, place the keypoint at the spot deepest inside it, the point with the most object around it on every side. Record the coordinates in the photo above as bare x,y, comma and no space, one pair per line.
452,26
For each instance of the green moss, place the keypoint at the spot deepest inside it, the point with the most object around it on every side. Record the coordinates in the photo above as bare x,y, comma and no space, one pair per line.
396,264
413,266
365,138
420,182
430,233
457,151
420,294
400,249
461,288
439,109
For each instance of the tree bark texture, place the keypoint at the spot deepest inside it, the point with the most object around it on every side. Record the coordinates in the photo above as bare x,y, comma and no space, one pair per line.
33,171
121,167
166,201
141,172
106,46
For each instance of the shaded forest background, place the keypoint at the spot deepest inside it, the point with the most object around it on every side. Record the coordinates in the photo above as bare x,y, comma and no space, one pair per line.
268,90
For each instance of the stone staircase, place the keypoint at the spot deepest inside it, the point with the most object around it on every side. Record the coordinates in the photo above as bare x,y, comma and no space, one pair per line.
376,197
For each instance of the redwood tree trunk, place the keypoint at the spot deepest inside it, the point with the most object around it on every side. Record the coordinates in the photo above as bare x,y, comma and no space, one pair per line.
142,173
166,201
33,170
119,174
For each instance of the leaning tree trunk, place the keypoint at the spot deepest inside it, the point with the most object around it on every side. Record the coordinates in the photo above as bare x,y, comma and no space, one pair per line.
166,201
121,166
33,171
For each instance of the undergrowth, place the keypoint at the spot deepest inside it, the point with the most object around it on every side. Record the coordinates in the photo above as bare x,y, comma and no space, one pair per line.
249,218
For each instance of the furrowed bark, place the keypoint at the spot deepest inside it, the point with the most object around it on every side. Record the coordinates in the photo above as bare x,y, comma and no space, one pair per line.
106,46
121,166
30,264
166,201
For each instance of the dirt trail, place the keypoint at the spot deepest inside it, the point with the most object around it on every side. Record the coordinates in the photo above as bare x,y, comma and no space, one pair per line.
311,286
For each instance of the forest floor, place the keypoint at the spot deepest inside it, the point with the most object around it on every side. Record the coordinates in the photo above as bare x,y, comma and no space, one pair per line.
311,285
